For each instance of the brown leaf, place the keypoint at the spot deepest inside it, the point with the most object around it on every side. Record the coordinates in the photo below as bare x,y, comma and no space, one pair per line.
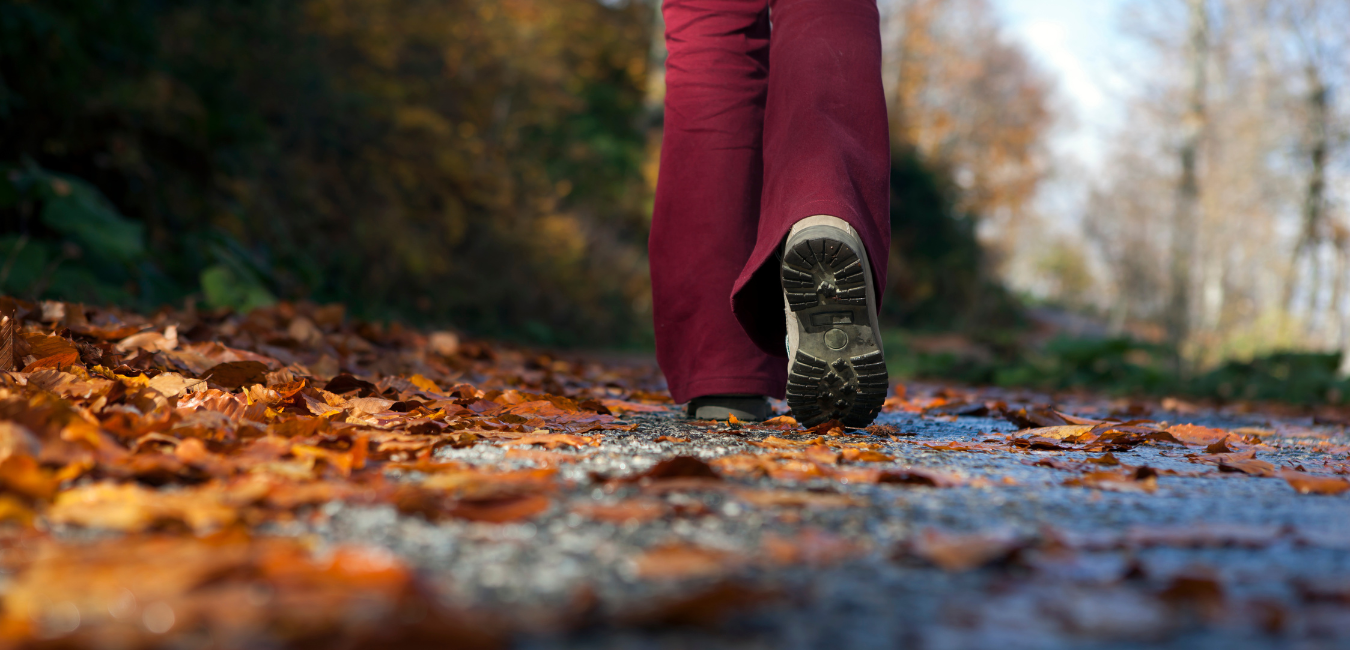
543,457
1191,434
1196,588
864,456
555,440
827,428
1142,479
1248,466
916,476
812,546
618,407
56,361
1305,483
1028,418
963,552
1219,447
708,607
1037,443
167,591
237,374
1059,432
677,467
680,562
476,484
630,510
796,499
498,510
961,446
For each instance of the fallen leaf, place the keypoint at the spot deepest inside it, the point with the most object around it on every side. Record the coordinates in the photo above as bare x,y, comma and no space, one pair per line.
1248,466
618,406
130,508
237,374
1195,588
704,608
629,510
1191,434
960,446
1305,483
543,457
149,341
924,477
1032,417
963,552
1142,480
680,562
501,509
796,499
166,591
425,384
774,442
677,467
555,440
785,421
812,547
1059,432
21,474
864,456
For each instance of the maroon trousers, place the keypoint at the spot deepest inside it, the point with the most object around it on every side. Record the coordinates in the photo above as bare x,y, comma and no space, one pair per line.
763,127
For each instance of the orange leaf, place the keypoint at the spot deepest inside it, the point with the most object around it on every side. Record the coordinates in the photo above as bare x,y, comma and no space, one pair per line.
499,510
57,361
1309,484
1197,435
674,562
1249,466
636,510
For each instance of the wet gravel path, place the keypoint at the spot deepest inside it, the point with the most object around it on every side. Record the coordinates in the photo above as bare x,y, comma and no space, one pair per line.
1221,560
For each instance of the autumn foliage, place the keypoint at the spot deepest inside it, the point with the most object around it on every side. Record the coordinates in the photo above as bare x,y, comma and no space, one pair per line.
147,465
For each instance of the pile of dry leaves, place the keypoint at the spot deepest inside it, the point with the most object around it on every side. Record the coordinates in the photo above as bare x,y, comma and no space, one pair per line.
188,430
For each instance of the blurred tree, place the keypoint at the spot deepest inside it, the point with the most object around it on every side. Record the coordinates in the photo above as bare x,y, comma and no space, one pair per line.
969,118
1265,270
469,161
1186,218
968,100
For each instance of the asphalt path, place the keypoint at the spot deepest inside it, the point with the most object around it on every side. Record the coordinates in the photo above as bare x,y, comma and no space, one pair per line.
955,549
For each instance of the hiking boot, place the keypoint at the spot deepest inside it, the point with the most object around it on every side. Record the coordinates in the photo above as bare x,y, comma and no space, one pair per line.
747,408
835,366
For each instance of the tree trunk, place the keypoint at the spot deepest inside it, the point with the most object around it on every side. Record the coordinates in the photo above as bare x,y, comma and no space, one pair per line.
1314,197
1186,218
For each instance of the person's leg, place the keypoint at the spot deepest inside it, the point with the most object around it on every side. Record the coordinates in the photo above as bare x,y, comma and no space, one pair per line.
707,209
826,146
824,209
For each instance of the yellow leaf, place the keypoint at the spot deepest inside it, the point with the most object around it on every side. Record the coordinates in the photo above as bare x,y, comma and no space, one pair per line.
425,384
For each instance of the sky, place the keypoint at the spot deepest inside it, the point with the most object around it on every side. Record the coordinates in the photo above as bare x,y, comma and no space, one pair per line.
1075,42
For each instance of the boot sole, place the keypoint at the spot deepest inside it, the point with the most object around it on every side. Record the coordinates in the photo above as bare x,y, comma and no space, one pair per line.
838,372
